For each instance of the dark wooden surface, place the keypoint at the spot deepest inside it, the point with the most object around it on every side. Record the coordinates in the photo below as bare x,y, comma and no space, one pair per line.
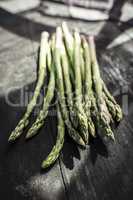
98,173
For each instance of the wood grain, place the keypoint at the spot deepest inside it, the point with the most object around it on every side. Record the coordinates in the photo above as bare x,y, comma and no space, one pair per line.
101,172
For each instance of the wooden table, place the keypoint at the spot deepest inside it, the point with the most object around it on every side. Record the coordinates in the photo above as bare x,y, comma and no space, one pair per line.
98,173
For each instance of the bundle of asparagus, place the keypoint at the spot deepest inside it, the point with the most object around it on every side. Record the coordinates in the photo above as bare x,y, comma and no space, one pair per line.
85,106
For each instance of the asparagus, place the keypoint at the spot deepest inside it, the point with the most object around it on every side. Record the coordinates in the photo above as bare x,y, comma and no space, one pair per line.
82,118
42,69
113,107
91,101
47,99
88,86
65,68
103,113
54,154
69,46
68,41
68,85
71,66
59,82
110,106
82,67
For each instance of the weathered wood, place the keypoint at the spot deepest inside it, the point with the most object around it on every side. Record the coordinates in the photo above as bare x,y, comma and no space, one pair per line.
95,173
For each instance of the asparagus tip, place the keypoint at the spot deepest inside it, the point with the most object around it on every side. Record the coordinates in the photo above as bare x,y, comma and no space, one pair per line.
12,138
82,143
111,135
28,136
44,165
119,114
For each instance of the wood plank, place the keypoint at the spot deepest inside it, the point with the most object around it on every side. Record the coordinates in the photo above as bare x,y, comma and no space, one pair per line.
90,174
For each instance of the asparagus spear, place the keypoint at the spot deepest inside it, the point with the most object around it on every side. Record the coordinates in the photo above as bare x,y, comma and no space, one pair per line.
47,99
82,67
54,154
69,46
82,118
113,107
66,73
88,86
86,61
42,69
104,116
68,41
68,85
59,82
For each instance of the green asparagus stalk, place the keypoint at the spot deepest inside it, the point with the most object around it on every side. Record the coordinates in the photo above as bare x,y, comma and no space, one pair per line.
86,61
110,106
88,86
82,66
113,107
42,69
82,118
59,82
104,116
47,99
68,85
68,39
54,154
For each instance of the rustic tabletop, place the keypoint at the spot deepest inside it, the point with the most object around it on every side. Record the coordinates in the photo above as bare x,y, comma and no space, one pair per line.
100,172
